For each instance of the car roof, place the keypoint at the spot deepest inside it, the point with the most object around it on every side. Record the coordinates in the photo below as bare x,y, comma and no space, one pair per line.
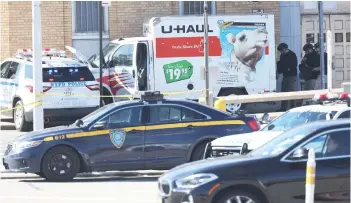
321,108
325,124
57,62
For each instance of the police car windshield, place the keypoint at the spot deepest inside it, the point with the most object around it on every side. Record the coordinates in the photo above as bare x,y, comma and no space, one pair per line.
294,118
106,51
62,74
283,141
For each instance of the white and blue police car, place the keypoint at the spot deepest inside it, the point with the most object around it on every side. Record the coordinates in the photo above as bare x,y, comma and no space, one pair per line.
70,91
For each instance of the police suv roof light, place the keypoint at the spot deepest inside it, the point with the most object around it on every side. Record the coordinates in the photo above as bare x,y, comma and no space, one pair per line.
24,53
152,96
53,52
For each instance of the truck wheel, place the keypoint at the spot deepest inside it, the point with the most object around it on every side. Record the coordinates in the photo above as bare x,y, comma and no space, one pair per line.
198,152
18,117
232,108
238,197
60,164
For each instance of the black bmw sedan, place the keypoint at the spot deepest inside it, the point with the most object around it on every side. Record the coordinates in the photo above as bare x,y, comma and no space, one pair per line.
273,173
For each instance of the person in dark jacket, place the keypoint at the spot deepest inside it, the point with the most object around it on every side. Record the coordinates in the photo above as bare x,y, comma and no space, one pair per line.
287,65
309,71
318,81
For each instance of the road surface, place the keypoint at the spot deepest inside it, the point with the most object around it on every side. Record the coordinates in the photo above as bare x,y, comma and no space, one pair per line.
135,187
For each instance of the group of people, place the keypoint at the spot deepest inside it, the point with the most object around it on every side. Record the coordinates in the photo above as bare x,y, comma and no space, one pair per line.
309,68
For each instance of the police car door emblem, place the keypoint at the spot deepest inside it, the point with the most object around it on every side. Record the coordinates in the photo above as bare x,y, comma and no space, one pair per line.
117,137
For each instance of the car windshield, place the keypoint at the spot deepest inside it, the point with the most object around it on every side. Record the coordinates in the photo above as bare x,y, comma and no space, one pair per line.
107,51
292,119
282,142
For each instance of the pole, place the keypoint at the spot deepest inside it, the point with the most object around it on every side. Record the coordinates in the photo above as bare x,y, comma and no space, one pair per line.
101,54
310,176
330,61
321,42
207,78
38,114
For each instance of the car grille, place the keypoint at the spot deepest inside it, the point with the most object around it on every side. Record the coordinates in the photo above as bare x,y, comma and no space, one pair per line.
165,188
224,152
8,149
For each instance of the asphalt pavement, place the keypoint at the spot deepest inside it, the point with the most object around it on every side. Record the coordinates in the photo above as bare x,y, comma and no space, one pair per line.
133,186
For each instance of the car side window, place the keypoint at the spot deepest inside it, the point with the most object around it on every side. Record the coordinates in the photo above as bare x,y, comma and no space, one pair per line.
124,55
337,144
5,67
13,70
345,114
331,144
317,144
125,118
169,113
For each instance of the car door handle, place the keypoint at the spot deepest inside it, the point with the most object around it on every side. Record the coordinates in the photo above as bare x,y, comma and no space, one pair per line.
134,131
190,127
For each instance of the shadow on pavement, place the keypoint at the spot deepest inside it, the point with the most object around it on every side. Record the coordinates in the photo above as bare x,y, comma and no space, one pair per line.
7,127
99,179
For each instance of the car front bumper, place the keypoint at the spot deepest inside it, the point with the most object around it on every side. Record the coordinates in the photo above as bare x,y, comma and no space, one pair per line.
28,161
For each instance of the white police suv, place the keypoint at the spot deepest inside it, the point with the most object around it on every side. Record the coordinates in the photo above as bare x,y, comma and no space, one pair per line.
70,90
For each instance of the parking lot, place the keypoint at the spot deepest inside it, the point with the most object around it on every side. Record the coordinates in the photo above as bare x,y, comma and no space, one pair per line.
107,187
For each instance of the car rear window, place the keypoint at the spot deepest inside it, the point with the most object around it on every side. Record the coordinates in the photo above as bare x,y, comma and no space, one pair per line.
66,74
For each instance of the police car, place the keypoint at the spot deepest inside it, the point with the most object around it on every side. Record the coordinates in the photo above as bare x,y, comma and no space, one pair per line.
329,107
150,133
70,91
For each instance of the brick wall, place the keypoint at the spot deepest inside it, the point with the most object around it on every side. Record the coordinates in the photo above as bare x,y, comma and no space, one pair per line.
56,26
126,18
4,30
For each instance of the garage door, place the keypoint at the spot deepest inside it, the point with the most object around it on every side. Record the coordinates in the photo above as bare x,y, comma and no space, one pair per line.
340,27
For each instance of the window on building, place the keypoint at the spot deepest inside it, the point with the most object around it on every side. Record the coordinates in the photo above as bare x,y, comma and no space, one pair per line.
196,7
87,17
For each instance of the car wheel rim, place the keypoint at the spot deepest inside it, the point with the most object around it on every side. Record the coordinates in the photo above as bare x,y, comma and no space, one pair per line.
60,164
240,199
18,117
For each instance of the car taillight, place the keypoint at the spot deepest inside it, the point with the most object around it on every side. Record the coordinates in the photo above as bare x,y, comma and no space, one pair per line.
93,87
45,88
254,125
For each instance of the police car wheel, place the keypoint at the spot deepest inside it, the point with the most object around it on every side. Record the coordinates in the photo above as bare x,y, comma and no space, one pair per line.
41,174
238,197
198,152
60,164
18,117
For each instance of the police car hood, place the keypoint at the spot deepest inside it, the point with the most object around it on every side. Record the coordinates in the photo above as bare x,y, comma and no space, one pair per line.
41,134
253,139
208,166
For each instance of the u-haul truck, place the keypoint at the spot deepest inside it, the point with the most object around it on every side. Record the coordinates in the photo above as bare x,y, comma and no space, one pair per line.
171,58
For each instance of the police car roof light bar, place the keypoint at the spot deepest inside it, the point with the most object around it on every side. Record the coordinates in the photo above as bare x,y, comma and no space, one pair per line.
152,96
330,97
53,52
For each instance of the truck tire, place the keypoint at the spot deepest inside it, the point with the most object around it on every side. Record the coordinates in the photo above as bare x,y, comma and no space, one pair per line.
60,163
19,119
233,107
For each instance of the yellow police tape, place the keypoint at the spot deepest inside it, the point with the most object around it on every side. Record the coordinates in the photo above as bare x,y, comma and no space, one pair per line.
86,95
21,106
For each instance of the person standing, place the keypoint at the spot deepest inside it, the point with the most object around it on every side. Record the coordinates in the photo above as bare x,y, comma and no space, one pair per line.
318,81
287,65
309,67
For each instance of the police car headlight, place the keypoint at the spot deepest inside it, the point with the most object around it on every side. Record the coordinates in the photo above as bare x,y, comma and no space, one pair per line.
19,146
195,180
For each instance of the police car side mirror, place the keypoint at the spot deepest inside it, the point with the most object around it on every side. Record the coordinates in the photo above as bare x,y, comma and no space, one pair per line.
100,125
